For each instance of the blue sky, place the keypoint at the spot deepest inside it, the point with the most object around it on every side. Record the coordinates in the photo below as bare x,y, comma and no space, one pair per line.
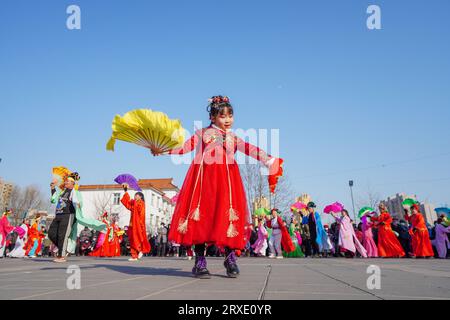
350,103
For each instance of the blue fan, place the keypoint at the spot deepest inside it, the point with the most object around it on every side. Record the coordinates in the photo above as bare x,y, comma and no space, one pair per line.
443,210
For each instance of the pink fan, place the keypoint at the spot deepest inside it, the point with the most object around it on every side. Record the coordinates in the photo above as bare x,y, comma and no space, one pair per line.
175,198
299,238
20,232
100,240
129,180
298,206
335,207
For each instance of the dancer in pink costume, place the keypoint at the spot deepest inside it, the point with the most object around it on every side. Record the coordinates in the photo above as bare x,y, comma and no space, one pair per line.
260,246
367,240
347,236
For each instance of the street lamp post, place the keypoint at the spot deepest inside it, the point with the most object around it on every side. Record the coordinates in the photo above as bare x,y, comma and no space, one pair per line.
350,183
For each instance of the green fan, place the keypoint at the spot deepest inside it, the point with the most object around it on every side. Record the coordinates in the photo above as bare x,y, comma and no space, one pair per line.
408,203
365,211
262,212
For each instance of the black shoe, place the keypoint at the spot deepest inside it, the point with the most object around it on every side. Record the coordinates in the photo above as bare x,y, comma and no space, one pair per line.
200,271
231,265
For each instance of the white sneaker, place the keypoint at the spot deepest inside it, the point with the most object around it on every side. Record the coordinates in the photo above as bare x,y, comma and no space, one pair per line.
140,255
272,256
133,259
189,258
280,257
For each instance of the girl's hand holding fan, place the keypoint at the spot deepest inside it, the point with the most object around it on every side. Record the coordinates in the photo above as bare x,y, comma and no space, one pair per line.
127,180
150,129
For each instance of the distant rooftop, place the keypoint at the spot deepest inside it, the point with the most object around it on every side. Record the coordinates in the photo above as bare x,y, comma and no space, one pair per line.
160,185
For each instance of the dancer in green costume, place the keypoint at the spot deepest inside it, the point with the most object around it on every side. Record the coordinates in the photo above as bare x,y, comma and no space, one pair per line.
295,236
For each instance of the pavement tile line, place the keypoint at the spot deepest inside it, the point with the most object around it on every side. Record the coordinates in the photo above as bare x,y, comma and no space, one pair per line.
111,282
397,297
311,293
432,281
176,286
167,289
420,270
33,280
266,282
36,268
84,287
343,282
27,269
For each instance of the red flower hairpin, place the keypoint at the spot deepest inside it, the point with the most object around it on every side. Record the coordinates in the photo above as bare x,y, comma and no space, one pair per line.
218,99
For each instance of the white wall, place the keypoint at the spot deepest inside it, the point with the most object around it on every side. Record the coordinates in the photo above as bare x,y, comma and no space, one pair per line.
170,193
155,213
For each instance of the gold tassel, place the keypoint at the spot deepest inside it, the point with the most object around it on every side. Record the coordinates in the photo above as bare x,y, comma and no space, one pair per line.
231,232
233,215
196,214
182,227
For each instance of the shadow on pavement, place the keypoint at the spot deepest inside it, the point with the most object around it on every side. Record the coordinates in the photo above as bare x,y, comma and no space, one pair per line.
133,270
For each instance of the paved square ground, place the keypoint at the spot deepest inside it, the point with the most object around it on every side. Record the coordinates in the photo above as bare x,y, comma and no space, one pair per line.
260,279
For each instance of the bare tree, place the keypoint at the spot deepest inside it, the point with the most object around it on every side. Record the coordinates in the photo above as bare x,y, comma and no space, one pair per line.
256,186
23,200
103,202
370,198
284,195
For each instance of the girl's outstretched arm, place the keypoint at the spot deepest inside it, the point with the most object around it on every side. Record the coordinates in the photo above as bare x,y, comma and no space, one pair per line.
254,152
188,145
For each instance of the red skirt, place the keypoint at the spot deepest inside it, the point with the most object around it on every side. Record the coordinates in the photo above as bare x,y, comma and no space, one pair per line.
388,244
421,244
210,193
138,242
115,247
104,250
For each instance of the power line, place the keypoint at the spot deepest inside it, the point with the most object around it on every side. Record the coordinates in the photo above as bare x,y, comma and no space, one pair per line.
383,165
413,181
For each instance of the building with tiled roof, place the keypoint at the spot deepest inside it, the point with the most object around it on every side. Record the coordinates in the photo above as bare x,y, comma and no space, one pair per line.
98,198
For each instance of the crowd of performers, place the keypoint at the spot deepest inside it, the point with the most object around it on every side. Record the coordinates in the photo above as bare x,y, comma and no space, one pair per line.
376,236
30,240
211,216
71,233
25,240
270,236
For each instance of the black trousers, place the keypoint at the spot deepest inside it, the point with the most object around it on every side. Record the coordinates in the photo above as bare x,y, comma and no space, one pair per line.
406,245
60,230
307,247
200,250
162,248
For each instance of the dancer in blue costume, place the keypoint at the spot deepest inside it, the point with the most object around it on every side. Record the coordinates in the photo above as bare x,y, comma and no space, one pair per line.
320,241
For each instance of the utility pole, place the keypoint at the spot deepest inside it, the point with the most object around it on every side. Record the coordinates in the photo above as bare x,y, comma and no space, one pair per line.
350,183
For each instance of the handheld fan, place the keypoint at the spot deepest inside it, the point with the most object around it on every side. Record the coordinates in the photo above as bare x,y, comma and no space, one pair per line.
335,208
365,210
408,203
129,180
298,207
150,129
61,174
